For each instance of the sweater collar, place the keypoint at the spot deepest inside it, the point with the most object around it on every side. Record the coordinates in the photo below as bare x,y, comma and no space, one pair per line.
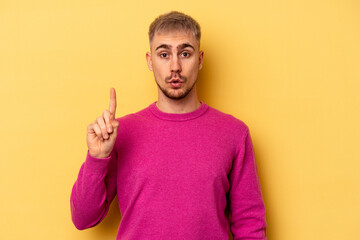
178,116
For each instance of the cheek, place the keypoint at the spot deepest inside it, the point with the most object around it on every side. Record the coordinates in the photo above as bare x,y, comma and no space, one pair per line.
159,72
192,67
159,66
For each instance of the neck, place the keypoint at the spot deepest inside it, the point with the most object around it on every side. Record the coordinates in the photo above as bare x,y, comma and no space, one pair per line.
187,104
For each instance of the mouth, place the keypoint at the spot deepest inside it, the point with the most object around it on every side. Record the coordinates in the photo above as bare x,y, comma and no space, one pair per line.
175,83
175,80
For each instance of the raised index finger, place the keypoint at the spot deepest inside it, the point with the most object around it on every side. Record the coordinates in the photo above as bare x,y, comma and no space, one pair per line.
112,108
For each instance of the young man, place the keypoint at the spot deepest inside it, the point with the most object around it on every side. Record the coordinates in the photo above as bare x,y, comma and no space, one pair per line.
178,166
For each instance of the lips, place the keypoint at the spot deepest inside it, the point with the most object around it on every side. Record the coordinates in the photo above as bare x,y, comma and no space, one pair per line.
175,81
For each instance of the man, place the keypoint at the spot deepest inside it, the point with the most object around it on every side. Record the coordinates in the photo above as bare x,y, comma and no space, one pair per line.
178,165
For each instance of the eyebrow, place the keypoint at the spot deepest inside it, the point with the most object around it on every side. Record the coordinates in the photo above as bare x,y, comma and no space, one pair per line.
163,46
185,45
182,46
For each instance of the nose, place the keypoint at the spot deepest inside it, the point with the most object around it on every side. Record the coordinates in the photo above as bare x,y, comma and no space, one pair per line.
175,64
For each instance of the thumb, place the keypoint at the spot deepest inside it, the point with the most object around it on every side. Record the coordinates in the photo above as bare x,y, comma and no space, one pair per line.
115,125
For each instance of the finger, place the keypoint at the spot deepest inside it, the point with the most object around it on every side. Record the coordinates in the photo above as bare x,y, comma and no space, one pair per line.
106,116
97,131
90,129
101,123
112,107
115,124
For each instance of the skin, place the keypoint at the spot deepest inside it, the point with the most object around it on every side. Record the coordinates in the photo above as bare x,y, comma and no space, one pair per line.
101,134
173,55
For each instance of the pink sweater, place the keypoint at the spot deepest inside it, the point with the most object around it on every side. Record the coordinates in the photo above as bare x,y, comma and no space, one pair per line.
176,177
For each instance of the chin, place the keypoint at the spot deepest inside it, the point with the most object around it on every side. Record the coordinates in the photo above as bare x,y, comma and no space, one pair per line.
178,95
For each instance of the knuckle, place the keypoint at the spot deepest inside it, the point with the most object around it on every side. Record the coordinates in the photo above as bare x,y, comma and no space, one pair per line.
98,133
106,113
107,119
115,123
102,129
98,128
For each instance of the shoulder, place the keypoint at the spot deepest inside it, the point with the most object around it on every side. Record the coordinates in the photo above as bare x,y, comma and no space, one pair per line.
127,118
227,120
134,115
131,124
228,128
133,120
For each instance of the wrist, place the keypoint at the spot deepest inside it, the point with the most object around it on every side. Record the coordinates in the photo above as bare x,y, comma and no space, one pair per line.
96,165
99,155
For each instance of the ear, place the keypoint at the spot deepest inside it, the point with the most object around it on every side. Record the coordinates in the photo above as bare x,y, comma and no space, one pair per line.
149,61
201,59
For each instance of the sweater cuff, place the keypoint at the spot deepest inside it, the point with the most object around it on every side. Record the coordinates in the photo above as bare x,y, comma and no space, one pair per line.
97,165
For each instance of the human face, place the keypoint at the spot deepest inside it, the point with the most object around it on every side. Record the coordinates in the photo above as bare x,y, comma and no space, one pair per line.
175,56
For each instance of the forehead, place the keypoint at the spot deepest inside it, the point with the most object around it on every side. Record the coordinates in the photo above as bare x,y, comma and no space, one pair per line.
173,38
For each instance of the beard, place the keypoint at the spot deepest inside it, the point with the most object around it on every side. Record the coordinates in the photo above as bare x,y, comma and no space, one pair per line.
178,93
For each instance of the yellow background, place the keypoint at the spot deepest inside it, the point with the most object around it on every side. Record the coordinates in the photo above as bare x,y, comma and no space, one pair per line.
289,69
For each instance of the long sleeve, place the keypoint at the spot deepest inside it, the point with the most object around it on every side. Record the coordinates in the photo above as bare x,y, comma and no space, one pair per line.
93,191
245,198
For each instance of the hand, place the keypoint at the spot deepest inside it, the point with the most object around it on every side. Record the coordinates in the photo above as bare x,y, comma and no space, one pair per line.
101,134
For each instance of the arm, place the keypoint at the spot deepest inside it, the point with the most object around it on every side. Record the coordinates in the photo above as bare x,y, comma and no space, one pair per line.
95,186
93,191
245,197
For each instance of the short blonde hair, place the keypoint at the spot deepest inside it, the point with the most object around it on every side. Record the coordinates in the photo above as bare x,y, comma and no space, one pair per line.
173,21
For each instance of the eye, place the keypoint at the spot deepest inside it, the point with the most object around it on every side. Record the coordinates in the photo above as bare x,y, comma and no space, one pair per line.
163,55
185,54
